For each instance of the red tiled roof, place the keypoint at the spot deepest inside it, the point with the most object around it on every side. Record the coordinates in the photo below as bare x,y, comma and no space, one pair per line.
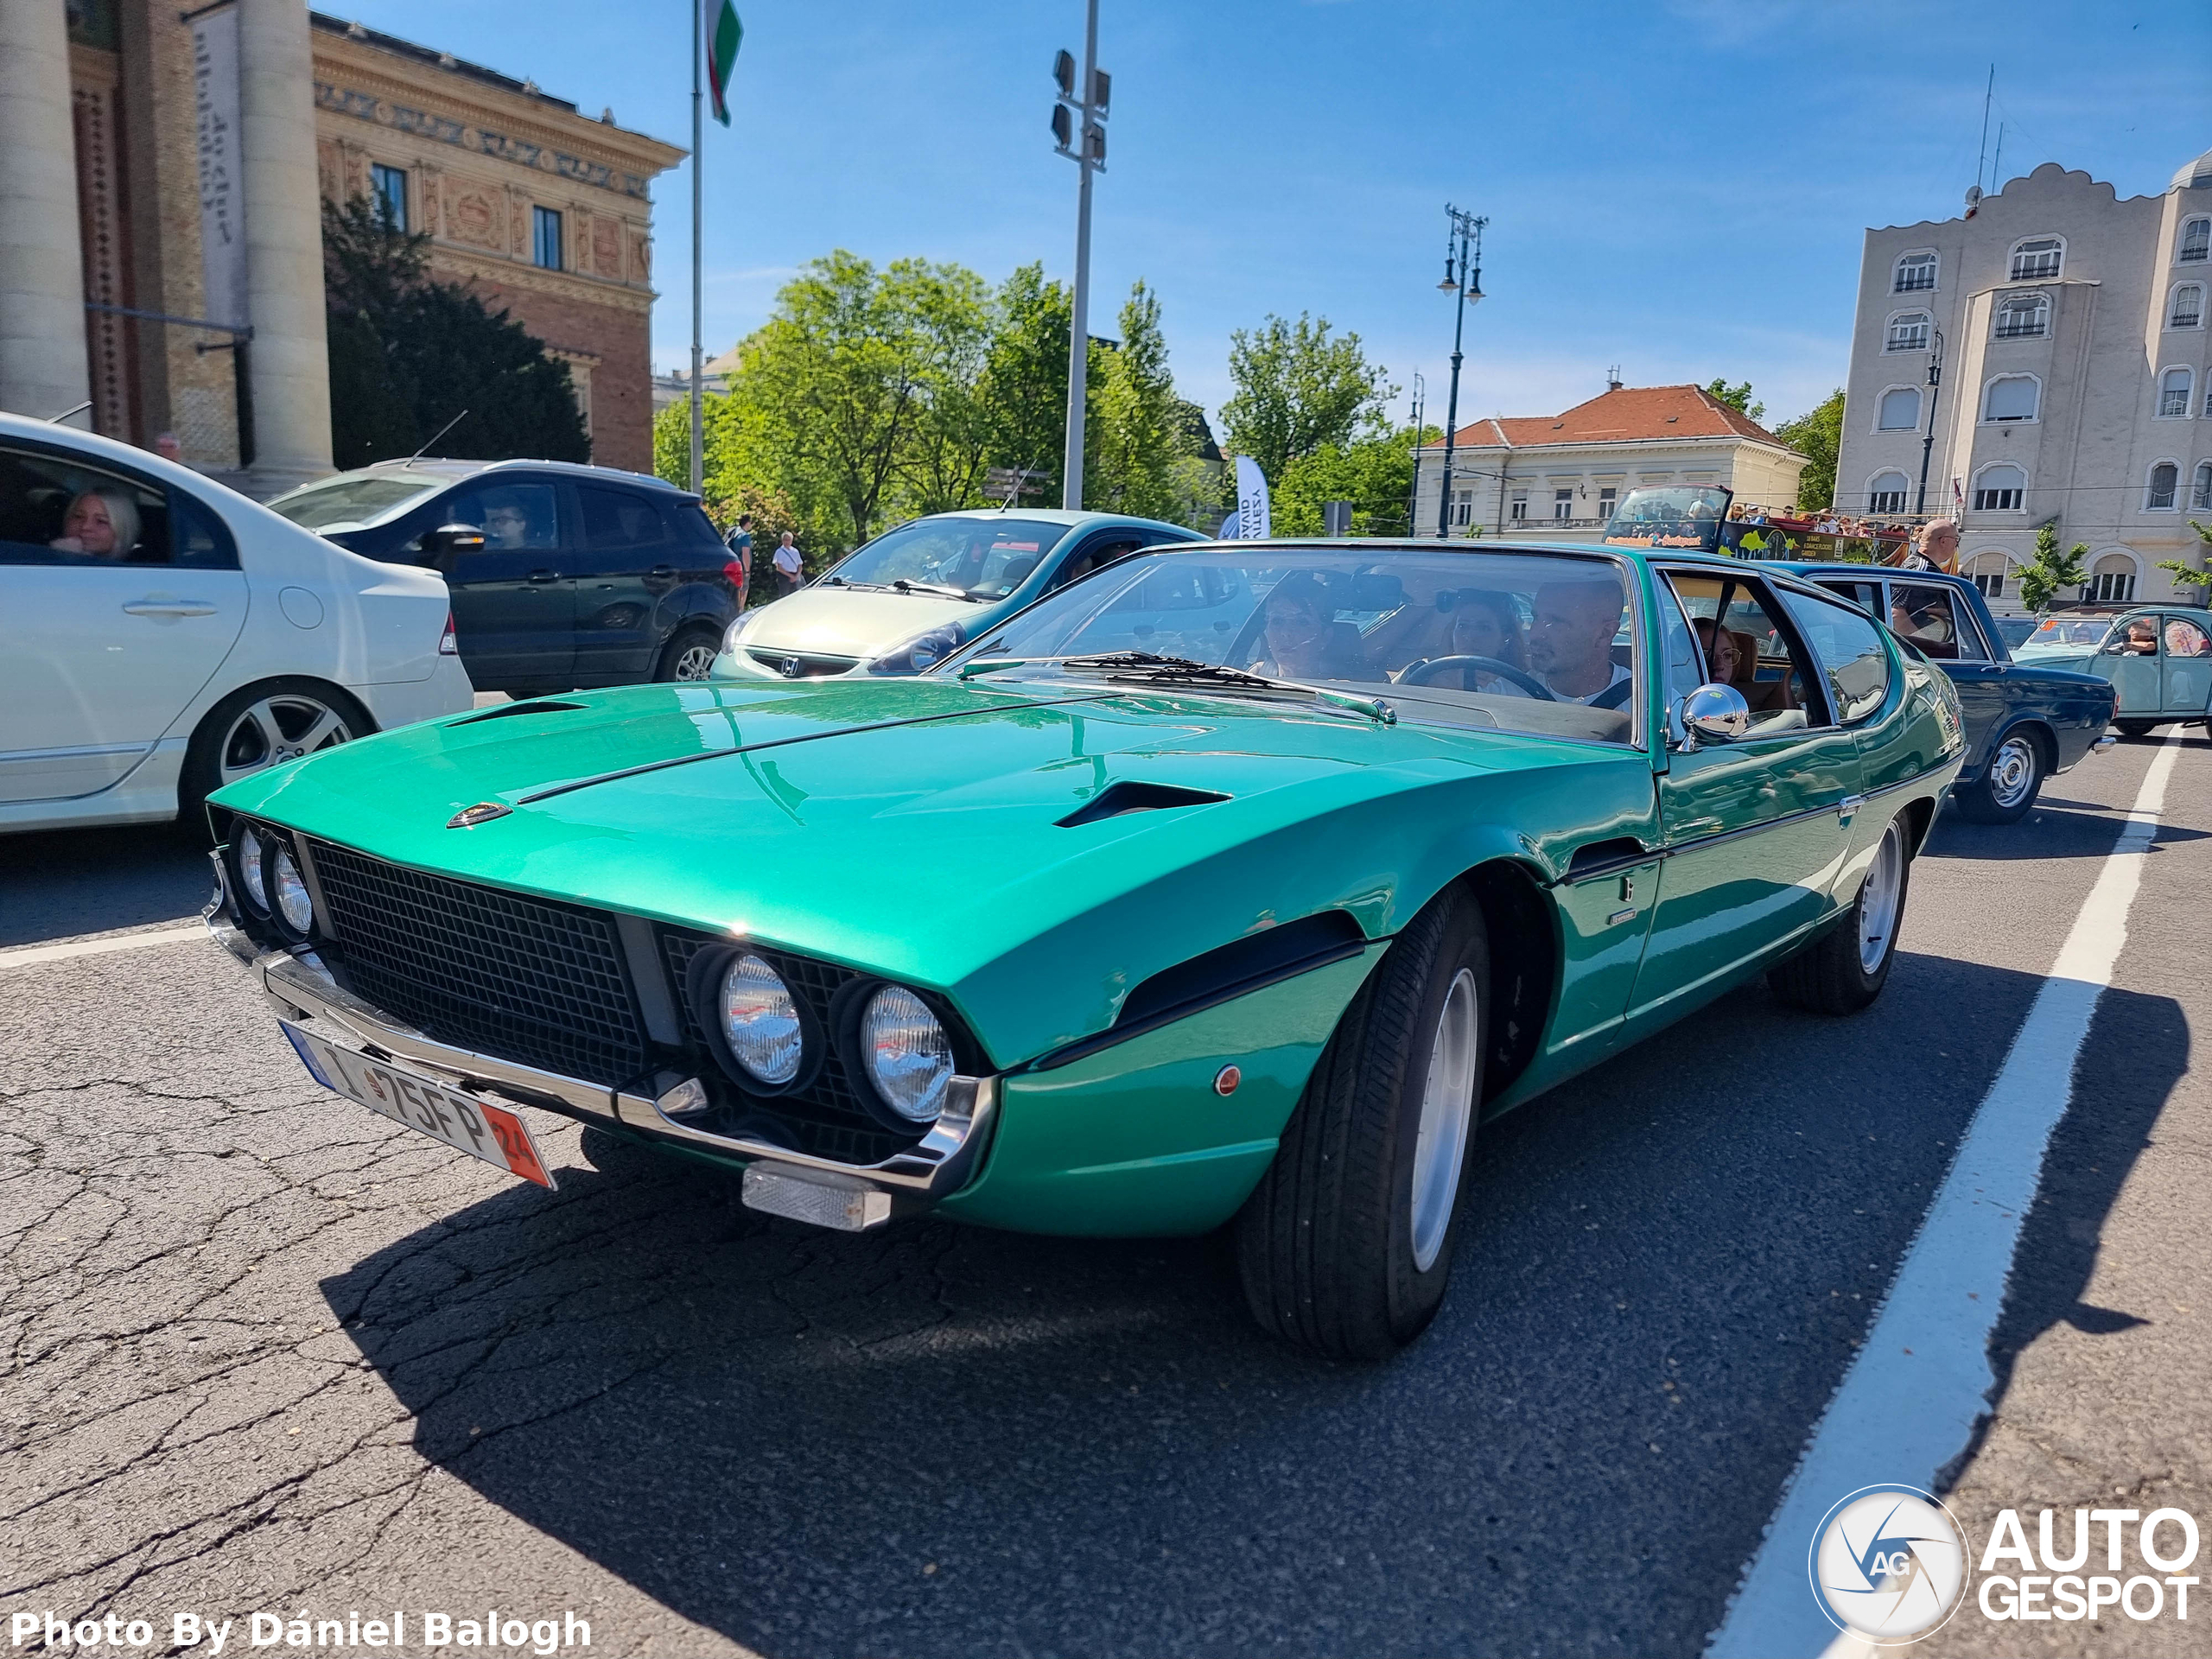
1625,415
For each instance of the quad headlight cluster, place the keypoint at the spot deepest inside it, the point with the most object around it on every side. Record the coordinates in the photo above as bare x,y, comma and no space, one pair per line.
265,874
772,1042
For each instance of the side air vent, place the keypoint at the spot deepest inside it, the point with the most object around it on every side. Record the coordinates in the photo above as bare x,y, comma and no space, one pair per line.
1128,796
506,710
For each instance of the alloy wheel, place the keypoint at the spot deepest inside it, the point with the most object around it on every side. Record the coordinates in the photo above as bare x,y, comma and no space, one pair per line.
276,729
1447,1107
695,662
1878,900
2012,771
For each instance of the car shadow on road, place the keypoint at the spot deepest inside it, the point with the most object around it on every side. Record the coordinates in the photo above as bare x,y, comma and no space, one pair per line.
63,884
932,1440
2057,829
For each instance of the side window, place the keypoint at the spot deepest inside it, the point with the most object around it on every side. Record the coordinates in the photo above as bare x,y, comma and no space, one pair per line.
518,515
1094,554
199,538
617,518
1866,595
2185,639
56,509
1932,618
1741,644
1853,662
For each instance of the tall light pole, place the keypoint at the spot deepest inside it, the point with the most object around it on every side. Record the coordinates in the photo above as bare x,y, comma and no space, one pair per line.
1413,492
1076,117
1468,287
698,208
1928,443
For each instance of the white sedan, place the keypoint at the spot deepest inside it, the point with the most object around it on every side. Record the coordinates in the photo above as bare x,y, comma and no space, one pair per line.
161,636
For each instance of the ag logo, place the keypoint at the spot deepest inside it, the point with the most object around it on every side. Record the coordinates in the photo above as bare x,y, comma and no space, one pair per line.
1888,1564
792,666
483,812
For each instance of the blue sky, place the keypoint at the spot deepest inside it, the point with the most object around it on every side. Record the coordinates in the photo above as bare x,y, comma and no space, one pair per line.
1679,187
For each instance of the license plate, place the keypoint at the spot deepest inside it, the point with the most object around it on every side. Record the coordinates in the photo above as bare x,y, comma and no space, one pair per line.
465,1122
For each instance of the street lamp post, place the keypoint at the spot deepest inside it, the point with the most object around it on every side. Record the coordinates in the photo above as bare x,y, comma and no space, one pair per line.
1928,443
1467,286
1413,491
1077,115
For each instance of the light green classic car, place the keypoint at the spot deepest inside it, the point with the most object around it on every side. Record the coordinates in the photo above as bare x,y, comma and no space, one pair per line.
2158,658
1252,927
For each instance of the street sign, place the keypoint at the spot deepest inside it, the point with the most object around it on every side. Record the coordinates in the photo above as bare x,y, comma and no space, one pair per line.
1010,483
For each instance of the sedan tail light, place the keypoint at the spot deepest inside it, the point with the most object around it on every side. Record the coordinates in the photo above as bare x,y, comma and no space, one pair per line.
448,645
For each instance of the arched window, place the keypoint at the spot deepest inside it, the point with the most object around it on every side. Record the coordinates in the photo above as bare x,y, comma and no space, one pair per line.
2174,387
2038,259
1989,571
1916,274
1908,331
1886,493
2112,579
2001,488
2200,488
2023,316
1900,409
2011,398
2196,241
2159,497
2187,310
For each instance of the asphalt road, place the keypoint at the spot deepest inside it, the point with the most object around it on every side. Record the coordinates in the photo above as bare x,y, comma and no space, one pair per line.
265,1350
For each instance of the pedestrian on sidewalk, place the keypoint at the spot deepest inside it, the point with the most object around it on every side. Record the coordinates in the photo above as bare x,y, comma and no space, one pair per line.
740,543
789,566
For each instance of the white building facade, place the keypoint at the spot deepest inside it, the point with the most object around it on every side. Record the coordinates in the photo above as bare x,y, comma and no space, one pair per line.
2073,390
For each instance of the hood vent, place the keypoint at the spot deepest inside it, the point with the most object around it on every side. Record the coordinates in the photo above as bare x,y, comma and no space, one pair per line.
1128,796
507,709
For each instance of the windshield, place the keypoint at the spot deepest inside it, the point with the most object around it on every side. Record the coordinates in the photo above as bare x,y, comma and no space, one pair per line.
2071,630
1685,516
354,498
984,558
1525,642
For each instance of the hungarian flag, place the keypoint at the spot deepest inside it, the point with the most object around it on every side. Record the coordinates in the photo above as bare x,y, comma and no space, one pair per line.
724,34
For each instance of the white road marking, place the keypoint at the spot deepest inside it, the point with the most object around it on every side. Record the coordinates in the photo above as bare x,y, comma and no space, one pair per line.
30,954
1909,1403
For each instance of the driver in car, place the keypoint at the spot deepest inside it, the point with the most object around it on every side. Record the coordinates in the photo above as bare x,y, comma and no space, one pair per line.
1571,642
506,521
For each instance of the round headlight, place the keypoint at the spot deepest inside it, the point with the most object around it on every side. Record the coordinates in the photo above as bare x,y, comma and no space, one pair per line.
257,891
293,904
760,1020
908,1056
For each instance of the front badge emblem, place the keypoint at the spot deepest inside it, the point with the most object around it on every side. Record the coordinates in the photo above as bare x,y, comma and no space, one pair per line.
483,812
792,666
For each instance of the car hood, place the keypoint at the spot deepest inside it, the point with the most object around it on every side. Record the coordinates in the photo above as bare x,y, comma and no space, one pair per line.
912,827
2078,659
849,622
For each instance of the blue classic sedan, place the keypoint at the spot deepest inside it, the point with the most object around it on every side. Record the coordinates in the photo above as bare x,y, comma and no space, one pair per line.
2024,722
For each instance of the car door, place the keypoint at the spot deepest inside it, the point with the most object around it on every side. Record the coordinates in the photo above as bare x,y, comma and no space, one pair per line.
2129,658
2185,666
1754,829
625,564
113,617
1938,621
514,597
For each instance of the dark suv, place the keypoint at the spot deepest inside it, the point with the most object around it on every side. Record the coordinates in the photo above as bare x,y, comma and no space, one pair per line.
562,576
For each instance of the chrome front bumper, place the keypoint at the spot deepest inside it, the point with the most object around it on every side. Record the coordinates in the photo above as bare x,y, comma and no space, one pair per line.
302,991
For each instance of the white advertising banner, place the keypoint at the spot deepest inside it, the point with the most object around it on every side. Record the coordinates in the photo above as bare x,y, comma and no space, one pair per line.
222,173
1250,518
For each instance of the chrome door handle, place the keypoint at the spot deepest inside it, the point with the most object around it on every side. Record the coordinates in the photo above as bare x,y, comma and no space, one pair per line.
541,577
1848,806
662,572
168,607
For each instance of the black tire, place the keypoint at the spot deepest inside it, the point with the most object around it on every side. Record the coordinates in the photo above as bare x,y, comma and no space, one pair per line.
679,657
2136,727
2009,782
1830,976
1326,1245
221,751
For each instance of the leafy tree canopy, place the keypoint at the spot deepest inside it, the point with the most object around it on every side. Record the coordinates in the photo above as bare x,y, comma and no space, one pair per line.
1738,397
1818,435
1297,389
2041,577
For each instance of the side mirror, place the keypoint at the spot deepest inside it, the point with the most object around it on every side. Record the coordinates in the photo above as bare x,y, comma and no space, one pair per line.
454,538
1713,714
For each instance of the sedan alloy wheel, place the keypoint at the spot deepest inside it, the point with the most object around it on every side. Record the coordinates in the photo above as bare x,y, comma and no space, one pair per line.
276,729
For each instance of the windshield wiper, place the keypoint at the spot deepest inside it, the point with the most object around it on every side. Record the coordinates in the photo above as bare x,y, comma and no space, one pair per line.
946,588
1155,669
847,582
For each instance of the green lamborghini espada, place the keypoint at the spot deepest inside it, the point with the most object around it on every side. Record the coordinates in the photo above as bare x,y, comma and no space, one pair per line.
1232,884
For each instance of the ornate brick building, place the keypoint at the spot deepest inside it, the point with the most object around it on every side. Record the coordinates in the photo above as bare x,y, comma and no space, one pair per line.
161,206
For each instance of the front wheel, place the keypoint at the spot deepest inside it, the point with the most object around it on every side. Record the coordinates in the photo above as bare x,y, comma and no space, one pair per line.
1345,1248
1845,967
2008,785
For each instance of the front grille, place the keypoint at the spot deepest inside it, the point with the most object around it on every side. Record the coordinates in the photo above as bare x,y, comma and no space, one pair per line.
826,1117
523,979
810,663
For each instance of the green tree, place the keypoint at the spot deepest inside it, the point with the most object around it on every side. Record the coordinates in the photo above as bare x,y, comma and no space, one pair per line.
1298,388
1738,397
1818,436
409,353
2051,570
1134,428
1374,473
1024,389
2197,577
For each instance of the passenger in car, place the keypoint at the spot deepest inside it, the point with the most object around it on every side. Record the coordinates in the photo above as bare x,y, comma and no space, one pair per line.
1302,639
1483,624
102,524
1571,642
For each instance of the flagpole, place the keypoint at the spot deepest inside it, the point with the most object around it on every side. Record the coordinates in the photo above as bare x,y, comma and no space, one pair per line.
698,136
